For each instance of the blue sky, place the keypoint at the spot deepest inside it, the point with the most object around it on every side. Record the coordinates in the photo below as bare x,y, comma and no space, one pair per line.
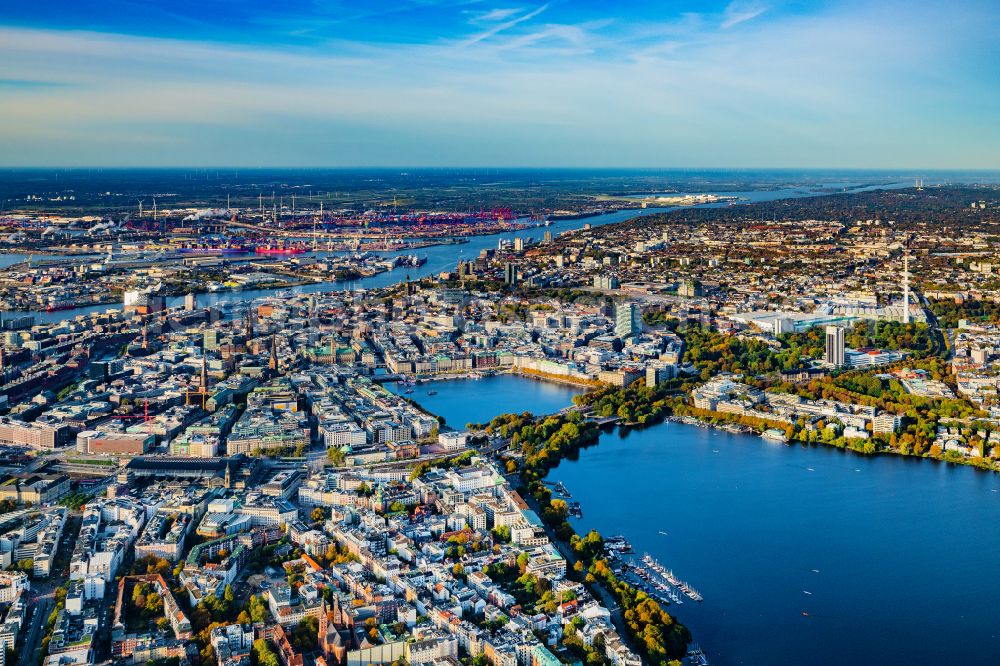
748,83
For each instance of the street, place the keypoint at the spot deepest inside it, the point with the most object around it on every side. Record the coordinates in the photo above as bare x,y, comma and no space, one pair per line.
40,607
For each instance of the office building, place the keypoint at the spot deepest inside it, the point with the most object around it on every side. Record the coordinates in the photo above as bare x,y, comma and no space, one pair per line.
211,339
834,346
37,435
606,282
628,320
690,289
510,274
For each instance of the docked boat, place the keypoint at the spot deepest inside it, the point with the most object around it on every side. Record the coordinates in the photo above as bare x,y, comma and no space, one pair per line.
696,656
690,592
618,544
669,576
56,306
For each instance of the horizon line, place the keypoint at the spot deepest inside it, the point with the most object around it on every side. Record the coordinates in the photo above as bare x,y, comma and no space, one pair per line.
498,168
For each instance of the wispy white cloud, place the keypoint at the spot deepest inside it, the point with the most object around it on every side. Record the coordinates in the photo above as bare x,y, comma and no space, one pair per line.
506,25
497,14
741,11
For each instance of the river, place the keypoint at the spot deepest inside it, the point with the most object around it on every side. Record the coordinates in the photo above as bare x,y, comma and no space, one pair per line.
805,555
446,257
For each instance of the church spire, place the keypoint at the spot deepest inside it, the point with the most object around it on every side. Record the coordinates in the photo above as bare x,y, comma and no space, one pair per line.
324,622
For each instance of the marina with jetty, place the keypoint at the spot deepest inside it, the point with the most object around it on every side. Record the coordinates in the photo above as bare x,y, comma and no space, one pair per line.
646,573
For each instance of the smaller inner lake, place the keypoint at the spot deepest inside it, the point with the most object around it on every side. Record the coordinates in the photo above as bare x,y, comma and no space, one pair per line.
462,401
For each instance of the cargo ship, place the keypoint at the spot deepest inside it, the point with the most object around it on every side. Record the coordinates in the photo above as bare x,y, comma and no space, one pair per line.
214,249
56,306
280,249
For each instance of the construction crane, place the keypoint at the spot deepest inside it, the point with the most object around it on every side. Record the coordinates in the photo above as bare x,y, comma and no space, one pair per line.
146,418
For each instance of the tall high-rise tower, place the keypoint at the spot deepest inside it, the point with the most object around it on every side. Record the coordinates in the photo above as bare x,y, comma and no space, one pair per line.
834,346
510,274
906,284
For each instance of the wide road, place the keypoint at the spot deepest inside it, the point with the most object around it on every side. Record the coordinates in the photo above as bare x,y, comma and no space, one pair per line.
42,606
42,595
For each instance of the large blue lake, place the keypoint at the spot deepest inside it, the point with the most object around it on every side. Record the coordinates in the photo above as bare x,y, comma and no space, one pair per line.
805,555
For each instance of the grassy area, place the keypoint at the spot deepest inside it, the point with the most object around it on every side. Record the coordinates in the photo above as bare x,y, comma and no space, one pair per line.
90,461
